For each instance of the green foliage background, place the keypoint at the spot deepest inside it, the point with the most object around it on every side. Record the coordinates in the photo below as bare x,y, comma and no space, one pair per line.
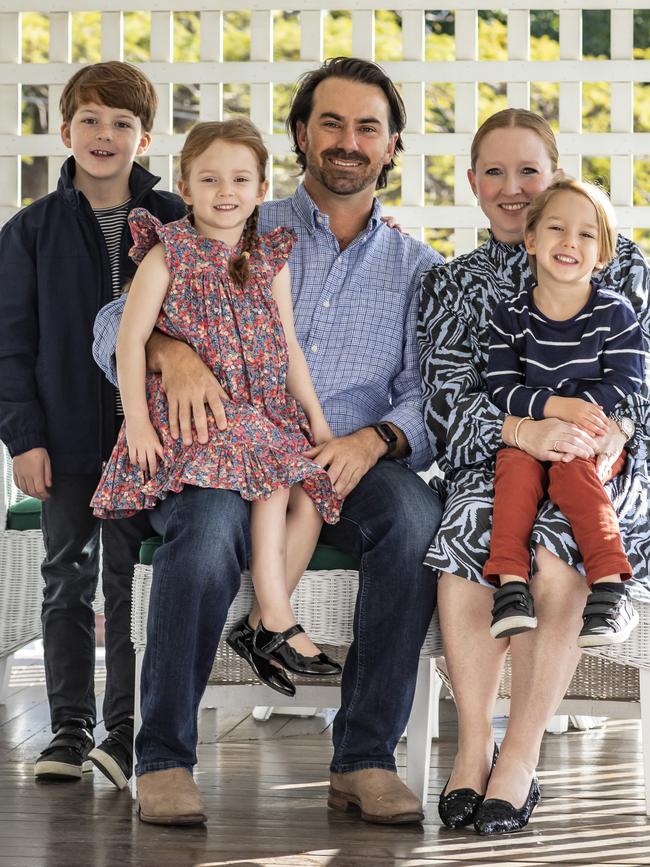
338,40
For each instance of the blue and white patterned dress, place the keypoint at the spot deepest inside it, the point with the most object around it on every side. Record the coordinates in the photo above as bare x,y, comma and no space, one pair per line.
464,426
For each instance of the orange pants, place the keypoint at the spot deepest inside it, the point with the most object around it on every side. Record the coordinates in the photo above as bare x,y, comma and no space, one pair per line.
521,482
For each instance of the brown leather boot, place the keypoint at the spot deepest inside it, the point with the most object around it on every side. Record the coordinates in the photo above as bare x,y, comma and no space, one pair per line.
170,797
380,795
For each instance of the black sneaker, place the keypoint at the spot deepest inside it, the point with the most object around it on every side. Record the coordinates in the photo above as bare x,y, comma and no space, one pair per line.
66,756
114,756
609,618
513,610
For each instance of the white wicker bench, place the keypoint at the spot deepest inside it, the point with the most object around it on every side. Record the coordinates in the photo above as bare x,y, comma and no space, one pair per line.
21,585
324,604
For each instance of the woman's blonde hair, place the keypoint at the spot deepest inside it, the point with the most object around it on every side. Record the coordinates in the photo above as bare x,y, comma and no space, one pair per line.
605,216
513,118
239,130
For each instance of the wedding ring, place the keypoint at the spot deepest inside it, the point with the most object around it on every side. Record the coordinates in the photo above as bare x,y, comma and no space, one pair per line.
555,446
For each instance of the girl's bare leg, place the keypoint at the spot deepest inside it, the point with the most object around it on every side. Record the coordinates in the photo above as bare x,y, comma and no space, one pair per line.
543,663
475,663
302,524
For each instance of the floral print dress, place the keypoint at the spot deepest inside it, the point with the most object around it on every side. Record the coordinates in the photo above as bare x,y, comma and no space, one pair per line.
237,332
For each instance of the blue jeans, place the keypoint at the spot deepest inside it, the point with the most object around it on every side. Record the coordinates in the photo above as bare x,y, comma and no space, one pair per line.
388,521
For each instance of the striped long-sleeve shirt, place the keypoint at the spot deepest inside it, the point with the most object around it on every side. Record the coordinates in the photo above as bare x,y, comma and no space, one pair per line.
596,355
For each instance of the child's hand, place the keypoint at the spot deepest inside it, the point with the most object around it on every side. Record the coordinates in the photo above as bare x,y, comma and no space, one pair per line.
144,445
33,473
575,410
321,432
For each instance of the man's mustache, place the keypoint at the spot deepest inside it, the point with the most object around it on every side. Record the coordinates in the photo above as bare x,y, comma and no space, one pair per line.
354,156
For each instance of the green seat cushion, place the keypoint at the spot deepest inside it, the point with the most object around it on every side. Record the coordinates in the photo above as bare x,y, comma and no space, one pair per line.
25,515
325,556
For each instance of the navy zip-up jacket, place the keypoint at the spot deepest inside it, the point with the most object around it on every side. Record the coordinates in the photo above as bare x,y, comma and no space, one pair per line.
54,278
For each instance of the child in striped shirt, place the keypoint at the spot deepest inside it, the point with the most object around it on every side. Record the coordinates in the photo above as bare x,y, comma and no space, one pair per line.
569,351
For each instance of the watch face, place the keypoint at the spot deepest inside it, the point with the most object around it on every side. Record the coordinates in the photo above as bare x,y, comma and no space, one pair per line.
627,426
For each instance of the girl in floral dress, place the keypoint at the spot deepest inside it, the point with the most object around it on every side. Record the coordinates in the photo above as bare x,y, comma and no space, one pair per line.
213,282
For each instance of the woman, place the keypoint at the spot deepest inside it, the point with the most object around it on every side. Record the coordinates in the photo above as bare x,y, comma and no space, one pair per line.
514,157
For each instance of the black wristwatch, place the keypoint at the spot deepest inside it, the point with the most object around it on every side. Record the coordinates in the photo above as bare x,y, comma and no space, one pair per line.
387,434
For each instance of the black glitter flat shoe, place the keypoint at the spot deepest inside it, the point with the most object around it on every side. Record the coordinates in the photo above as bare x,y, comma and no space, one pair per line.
459,807
500,817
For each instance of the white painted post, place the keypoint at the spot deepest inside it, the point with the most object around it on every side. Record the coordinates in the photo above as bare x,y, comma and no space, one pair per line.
60,52
262,92
518,49
9,114
162,50
571,91
413,168
112,45
622,111
363,33
311,35
466,114
211,105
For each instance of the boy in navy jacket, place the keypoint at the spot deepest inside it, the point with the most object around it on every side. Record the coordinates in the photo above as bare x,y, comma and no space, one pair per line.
61,260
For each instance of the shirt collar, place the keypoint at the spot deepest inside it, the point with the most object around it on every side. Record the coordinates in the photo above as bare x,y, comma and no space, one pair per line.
307,210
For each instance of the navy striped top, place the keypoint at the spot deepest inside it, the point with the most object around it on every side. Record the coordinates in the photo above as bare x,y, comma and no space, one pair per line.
596,355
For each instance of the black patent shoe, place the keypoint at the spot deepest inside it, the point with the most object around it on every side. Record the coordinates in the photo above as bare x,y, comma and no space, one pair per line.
459,807
240,639
500,817
274,646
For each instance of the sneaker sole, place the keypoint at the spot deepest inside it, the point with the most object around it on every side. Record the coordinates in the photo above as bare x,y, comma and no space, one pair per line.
512,626
349,804
48,770
612,638
109,767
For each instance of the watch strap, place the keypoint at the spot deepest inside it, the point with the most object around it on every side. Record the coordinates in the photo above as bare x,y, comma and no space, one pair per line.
385,432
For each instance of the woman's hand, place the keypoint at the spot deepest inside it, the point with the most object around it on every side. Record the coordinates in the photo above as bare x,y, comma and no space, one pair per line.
553,440
608,447
144,445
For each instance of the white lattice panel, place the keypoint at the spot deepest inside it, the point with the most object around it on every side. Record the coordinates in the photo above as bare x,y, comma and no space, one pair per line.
413,73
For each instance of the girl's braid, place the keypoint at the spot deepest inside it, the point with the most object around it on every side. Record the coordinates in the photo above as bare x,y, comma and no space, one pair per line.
239,269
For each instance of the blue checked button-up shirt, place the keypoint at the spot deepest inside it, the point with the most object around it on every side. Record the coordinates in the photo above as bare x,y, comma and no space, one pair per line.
355,312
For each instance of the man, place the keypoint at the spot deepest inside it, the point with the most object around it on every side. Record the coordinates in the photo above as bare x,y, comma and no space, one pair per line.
355,288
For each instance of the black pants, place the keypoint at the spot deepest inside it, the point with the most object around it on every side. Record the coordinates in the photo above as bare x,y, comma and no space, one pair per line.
70,572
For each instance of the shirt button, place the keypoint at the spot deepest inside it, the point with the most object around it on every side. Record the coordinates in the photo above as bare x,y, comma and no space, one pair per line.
339,260
319,219
314,347
326,304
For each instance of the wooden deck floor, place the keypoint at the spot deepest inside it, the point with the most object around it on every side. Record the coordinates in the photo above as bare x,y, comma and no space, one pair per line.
265,786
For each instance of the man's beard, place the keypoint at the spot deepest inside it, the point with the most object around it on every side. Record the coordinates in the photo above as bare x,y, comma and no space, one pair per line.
344,182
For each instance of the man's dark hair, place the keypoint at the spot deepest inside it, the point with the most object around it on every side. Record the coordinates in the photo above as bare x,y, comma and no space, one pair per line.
352,69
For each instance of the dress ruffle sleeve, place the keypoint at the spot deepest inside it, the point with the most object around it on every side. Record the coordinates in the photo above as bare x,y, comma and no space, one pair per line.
146,231
278,245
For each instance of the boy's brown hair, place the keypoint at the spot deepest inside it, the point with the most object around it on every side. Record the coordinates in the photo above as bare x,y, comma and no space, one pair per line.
115,84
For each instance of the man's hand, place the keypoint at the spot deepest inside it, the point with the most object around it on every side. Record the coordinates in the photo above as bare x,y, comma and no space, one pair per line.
144,445
575,410
33,473
347,459
189,385
608,447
